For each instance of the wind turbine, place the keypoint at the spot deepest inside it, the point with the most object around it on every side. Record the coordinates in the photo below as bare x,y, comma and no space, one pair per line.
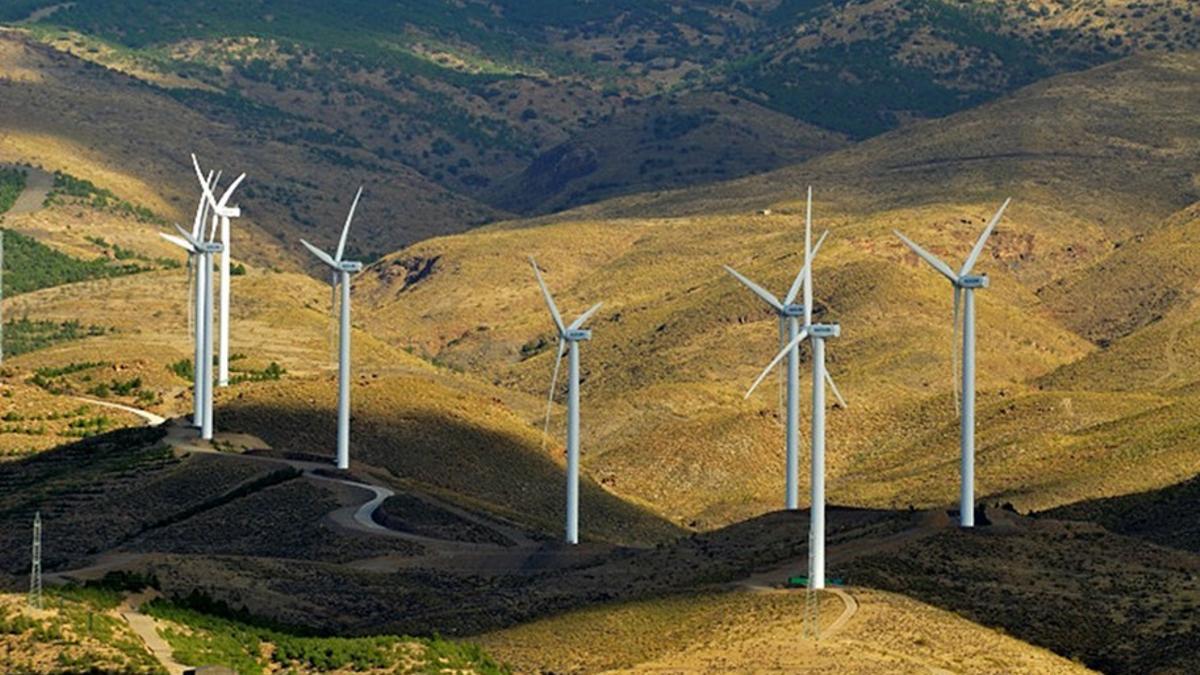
964,284
203,384
789,328
224,213
342,269
816,334
196,281
569,337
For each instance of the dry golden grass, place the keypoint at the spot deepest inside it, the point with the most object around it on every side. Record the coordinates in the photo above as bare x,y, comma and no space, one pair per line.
69,635
678,340
763,632
442,437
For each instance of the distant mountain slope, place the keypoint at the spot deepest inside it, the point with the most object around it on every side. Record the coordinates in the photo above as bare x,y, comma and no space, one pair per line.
476,96
1116,145
133,139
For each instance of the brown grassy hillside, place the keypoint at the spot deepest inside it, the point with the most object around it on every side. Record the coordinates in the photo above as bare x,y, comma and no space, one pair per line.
678,341
68,114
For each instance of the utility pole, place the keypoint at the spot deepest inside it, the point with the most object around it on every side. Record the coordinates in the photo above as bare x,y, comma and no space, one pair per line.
35,572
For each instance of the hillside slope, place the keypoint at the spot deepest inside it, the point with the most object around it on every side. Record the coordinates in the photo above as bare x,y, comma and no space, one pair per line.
679,341
63,113
482,98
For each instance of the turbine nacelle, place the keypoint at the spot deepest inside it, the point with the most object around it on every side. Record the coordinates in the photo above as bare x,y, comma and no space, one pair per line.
824,330
792,310
209,246
576,334
973,281
350,266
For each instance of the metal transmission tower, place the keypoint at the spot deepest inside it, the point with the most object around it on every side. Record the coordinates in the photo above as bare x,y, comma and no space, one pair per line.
35,572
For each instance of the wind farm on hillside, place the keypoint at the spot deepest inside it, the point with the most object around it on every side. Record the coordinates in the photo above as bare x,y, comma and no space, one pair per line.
652,365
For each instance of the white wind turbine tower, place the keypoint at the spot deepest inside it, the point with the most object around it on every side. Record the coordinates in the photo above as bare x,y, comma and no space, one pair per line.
817,334
203,376
222,212
342,269
196,281
569,337
964,284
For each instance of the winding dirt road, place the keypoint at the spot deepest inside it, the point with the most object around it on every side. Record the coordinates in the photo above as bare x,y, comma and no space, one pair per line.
146,629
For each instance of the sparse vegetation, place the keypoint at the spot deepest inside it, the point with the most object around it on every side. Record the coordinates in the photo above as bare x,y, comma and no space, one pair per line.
67,187
31,265
22,335
213,633
12,184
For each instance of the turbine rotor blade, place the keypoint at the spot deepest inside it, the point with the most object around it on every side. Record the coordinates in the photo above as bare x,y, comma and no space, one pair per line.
201,208
178,241
562,344
756,289
808,255
229,192
778,357
322,255
966,268
208,195
928,257
346,229
796,285
549,299
584,317
833,387
194,243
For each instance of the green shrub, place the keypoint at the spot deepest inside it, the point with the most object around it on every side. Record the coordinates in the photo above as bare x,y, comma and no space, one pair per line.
12,184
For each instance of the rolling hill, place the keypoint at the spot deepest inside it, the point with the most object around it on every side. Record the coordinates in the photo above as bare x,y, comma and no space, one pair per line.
678,140
679,341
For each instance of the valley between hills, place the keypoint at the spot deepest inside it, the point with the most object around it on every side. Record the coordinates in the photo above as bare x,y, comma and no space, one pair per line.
439,551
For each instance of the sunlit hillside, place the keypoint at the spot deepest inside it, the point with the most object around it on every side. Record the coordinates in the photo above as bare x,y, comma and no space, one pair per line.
679,341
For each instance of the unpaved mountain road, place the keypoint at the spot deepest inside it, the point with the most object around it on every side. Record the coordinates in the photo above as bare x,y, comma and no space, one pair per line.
38,184
151,419
146,629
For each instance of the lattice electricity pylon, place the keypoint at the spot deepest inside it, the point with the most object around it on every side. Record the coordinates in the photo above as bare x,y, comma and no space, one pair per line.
812,601
35,572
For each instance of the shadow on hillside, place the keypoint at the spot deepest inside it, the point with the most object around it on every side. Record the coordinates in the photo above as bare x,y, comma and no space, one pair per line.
489,469
62,483
1101,598
1166,516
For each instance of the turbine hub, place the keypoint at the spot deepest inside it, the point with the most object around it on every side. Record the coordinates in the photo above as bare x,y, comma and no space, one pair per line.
351,266
825,330
577,335
973,281
793,310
